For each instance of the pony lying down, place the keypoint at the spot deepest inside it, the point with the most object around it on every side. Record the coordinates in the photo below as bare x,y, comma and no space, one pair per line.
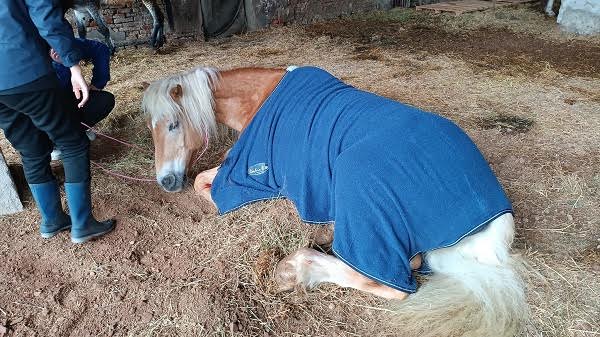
407,190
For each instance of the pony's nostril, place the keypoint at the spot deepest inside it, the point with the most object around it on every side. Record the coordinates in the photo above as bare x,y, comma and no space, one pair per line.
168,181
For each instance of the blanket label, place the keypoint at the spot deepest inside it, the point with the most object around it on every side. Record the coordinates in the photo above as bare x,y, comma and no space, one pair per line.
258,169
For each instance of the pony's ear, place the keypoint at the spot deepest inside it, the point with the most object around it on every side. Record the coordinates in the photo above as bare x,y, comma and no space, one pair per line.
145,85
176,92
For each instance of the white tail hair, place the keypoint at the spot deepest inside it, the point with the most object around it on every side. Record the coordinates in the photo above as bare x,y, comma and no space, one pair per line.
474,291
196,105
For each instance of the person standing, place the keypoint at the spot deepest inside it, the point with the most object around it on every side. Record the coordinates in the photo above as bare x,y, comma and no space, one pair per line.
34,114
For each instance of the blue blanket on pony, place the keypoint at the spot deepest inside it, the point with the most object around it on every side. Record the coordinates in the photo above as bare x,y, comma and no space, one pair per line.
397,181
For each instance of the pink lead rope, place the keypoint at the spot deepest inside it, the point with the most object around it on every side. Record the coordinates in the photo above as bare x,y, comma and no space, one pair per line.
113,139
120,175
116,174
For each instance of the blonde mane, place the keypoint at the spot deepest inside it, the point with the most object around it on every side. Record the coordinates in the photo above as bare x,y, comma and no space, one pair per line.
196,105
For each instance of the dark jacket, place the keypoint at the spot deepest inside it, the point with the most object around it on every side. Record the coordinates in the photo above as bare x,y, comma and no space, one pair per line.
27,29
92,51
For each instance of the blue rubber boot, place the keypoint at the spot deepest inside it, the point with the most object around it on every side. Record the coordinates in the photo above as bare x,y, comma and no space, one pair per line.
47,199
85,227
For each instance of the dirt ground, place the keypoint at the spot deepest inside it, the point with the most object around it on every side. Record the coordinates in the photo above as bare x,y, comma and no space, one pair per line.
527,94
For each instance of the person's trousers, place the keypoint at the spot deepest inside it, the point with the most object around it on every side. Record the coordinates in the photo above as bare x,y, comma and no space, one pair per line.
99,105
32,121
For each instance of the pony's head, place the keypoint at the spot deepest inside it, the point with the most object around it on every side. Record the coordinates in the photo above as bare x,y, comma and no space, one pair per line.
180,114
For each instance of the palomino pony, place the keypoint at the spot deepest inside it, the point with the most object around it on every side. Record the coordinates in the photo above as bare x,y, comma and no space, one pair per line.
406,190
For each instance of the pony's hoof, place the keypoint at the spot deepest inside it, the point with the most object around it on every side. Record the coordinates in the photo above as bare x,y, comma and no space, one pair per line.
285,275
296,269
157,42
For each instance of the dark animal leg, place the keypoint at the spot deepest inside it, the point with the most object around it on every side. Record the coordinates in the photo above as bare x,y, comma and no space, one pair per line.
169,11
549,8
80,22
157,39
102,28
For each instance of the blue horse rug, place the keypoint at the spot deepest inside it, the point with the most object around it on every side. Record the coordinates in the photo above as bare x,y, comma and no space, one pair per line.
397,181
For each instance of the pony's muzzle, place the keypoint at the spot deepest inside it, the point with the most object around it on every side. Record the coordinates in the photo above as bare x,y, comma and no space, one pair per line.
172,182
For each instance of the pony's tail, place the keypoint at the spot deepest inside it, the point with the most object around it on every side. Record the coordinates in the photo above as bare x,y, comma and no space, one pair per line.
474,291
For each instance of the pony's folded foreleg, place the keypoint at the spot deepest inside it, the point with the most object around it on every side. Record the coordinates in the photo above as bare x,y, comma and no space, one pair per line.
309,267
203,183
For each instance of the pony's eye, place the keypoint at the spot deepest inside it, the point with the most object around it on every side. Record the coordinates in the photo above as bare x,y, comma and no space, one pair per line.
173,125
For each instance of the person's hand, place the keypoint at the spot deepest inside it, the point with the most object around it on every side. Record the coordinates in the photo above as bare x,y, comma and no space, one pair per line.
80,87
54,56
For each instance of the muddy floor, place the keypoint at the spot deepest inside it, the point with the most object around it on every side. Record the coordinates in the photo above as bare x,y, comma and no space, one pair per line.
526,93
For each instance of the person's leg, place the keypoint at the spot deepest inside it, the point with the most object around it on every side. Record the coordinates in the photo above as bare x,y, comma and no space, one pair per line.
32,144
34,147
99,105
50,112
